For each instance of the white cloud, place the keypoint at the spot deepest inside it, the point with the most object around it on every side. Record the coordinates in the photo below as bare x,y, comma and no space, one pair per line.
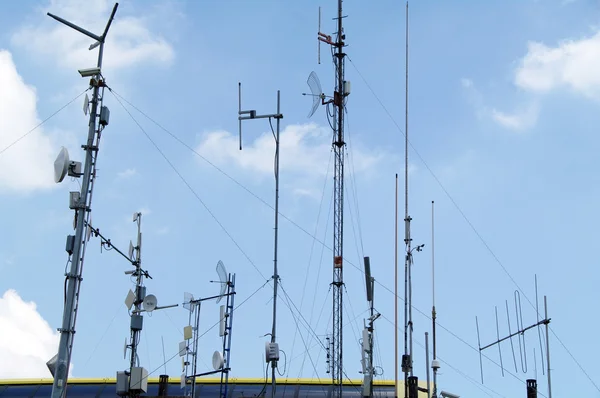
27,342
126,174
28,164
520,120
573,64
129,41
304,151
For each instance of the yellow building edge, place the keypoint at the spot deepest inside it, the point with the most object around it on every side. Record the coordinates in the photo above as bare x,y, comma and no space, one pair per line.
153,380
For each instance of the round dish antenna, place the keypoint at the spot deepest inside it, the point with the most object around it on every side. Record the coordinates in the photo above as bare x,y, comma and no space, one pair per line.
217,360
61,165
150,303
125,349
222,279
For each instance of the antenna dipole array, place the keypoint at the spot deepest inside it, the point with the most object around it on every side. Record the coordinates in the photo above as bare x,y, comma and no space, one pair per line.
520,334
82,206
342,90
272,348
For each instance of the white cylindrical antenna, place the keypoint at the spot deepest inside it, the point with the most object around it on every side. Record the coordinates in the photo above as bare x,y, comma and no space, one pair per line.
240,112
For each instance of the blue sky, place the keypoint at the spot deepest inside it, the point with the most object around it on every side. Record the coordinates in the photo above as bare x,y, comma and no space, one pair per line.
503,112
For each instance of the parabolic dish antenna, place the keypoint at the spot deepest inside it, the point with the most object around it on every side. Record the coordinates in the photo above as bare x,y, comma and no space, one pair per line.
125,349
150,303
222,279
86,104
317,93
217,360
61,165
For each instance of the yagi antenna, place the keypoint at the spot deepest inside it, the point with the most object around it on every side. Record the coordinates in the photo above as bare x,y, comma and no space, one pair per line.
316,92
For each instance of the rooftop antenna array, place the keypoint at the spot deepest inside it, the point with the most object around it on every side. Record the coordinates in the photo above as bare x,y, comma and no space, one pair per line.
134,380
272,348
368,369
80,202
520,334
338,102
189,350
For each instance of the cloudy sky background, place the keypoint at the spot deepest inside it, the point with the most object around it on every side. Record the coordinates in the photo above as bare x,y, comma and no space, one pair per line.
503,115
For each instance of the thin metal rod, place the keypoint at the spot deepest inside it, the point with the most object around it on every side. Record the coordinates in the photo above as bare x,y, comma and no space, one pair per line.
195,364
427,364
433,313
275,272
407,240
547,347
396,294
479,346
537,314
512,346
498,336
518,332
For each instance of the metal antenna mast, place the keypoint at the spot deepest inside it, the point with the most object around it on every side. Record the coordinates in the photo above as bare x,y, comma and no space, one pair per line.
82,208
342,90
273,347
435,364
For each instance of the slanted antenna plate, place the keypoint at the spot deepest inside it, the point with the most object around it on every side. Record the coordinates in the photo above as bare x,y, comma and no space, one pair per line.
125,349
187,301
222,279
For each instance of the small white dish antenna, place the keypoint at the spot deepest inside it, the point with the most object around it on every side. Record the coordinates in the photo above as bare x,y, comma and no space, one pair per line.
125,349
217,360
86,104
61,165
130,299
222,279
150,302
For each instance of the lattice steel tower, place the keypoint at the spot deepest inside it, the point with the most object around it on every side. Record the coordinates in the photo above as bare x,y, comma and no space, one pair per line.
338,102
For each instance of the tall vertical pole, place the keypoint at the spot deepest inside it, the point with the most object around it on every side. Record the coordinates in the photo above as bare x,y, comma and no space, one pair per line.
140,293
275,272
396,294
427,363
278,116
547,347
338,211
407,358
74,276
435,364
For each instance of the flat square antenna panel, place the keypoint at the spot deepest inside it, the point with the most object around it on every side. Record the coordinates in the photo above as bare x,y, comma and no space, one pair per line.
222,279
187,301
182,348
130,299
187,332
86,104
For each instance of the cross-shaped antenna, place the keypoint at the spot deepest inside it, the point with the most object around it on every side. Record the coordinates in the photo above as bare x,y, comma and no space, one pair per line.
99,39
